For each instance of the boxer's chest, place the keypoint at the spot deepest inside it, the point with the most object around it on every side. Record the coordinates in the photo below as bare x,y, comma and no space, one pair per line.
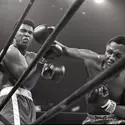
115,84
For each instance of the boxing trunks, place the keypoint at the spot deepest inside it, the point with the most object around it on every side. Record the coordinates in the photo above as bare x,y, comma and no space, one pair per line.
20,108
102,119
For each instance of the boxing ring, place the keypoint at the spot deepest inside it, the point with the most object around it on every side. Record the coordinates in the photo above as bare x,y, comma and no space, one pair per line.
63,105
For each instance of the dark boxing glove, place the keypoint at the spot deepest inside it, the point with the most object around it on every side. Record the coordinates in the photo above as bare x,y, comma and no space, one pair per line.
100,97
41,33
52,72
54,51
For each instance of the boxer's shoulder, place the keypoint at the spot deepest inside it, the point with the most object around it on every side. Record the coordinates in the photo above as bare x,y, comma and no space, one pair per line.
94,63
13,51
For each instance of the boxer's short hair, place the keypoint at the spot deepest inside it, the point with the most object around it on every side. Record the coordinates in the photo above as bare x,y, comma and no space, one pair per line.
26,21
117,39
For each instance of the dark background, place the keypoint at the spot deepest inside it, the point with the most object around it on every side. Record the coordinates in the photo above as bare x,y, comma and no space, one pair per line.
91,27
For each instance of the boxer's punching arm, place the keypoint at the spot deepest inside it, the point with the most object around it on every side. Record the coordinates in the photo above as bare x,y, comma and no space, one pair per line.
57,49
81,54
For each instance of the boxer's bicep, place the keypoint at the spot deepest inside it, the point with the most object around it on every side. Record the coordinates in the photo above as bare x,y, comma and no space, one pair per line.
89,55
82,54
15,63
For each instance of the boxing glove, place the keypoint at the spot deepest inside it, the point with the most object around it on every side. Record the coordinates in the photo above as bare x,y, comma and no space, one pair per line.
100,97
55,51
41,33
52,72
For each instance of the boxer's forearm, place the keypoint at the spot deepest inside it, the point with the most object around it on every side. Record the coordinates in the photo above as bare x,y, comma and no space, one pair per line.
81,54
120,111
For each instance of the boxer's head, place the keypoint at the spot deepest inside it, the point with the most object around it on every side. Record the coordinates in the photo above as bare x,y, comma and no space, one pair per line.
114,50
24,35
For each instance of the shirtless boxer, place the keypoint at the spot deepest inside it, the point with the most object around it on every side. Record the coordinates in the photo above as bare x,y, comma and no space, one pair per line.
106,102
20,109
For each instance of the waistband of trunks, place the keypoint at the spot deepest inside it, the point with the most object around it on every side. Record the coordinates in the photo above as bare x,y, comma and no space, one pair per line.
19,91
101,116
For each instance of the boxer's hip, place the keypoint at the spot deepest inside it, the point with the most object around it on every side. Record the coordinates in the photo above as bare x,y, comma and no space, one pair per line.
20,109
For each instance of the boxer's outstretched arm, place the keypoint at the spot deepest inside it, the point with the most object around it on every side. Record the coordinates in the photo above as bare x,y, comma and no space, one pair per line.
82,54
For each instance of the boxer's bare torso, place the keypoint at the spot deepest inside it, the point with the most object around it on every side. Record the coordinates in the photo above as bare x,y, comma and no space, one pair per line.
115,85
17,59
